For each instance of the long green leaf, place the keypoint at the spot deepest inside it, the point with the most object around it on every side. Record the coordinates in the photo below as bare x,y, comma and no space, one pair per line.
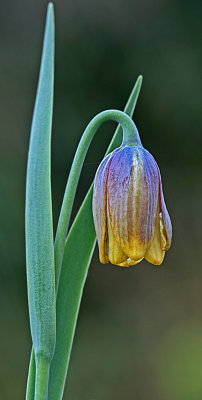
78,251
39,225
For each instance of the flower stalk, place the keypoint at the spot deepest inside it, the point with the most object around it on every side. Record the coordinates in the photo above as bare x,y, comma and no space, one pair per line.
130,135
42,378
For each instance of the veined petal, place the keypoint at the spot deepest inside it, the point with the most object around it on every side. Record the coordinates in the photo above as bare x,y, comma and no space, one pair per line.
132,189
116,255
152,179
100,208
155,254
167,226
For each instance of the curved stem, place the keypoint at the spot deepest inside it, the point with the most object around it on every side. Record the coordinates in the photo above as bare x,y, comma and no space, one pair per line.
130,136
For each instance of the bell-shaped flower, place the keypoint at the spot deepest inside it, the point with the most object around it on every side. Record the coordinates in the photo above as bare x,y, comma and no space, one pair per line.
130,215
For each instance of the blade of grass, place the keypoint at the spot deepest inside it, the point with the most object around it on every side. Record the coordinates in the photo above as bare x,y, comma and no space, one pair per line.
38,216
78,251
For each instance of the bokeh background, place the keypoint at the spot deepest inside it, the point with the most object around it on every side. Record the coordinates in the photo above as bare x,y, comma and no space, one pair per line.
139,333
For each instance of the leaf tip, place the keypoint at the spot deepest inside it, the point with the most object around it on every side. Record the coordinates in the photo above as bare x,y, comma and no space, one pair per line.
139,80
50,11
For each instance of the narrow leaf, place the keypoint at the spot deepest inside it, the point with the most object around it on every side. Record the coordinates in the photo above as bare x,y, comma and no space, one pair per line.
39,226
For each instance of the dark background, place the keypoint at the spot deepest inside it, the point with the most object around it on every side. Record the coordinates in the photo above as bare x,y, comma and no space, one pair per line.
139,333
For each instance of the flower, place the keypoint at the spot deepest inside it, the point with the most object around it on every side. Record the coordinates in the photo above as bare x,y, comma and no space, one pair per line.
130,215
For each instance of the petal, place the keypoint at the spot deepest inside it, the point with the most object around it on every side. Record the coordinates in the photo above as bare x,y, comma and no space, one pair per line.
152,182
129,262
155,253
116,255
163,233
132,189
166,222
100,208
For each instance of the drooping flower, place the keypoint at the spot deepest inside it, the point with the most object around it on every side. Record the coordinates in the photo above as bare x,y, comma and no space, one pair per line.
130,215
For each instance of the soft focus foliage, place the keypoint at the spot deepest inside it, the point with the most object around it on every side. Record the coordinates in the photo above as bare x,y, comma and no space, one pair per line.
134,323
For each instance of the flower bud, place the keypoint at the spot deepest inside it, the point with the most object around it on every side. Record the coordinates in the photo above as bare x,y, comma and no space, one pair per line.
130,215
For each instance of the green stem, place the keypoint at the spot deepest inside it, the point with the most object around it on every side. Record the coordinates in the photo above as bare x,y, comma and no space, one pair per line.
42,378
130,135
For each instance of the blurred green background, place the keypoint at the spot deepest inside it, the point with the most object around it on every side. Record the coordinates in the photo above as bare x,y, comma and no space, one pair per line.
139,333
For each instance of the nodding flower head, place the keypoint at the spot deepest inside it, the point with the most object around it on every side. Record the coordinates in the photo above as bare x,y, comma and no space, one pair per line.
130,215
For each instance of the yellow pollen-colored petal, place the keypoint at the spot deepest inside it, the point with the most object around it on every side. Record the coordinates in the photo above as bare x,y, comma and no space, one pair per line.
116,255
129,262
155,253
103,250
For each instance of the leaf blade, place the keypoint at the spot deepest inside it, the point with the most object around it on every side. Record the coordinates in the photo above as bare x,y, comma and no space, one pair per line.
38,214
